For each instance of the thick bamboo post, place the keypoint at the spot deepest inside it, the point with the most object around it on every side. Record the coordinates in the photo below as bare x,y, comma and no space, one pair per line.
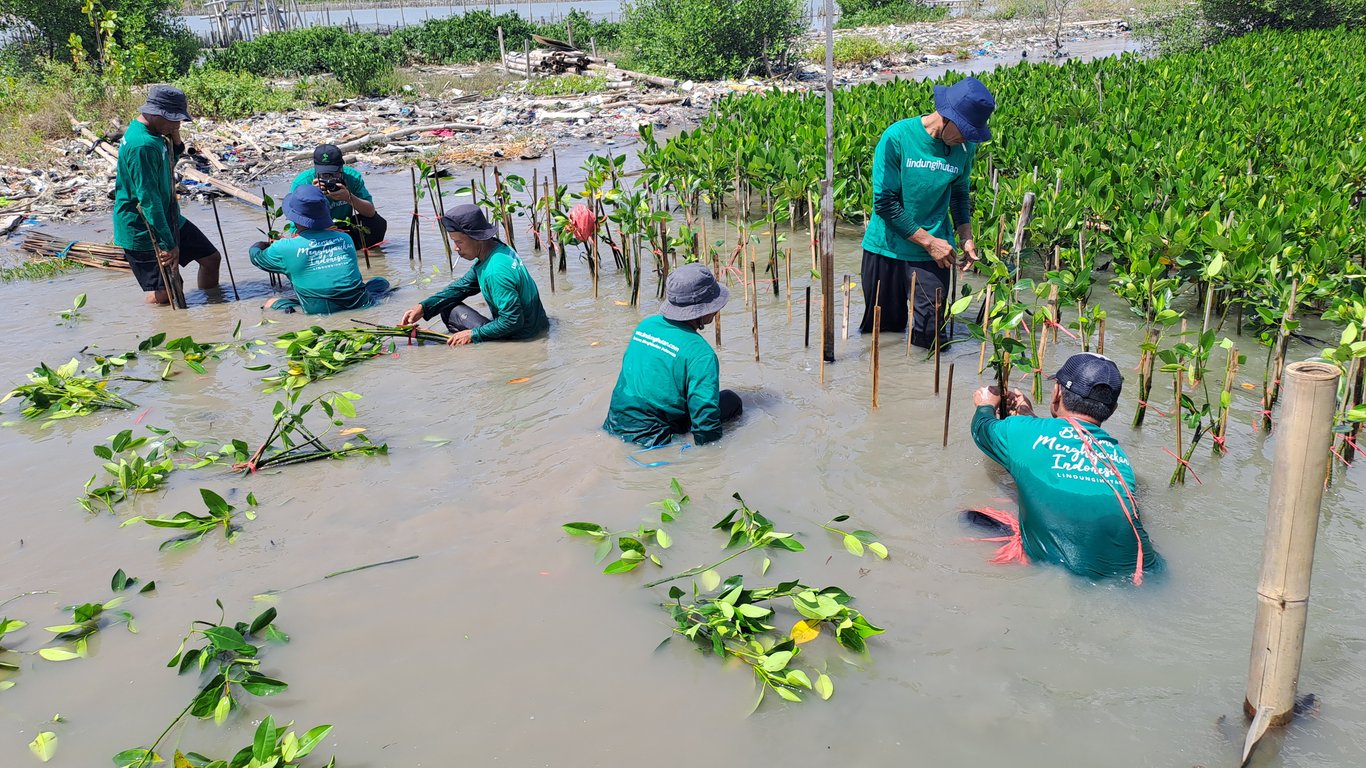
1302,455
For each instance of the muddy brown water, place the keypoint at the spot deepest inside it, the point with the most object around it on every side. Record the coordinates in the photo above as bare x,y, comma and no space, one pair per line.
504,645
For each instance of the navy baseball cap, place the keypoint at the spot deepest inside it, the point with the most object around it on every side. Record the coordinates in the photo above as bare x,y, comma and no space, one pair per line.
327,158
1085,371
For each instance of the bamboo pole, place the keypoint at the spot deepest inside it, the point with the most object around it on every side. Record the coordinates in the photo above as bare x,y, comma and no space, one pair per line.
1225,401
948,405
213,201
753,275
787,262
845,287
910,312
1100,338
1296,494
938,297
415,229
876,358
806,342
1021,226
827,249
986,329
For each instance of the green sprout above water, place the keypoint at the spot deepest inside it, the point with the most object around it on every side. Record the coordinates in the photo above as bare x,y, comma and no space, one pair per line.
196,527
74,314
858,541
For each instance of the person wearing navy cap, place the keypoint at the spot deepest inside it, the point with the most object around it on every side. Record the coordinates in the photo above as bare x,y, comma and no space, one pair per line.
1078,500
922,209
353,207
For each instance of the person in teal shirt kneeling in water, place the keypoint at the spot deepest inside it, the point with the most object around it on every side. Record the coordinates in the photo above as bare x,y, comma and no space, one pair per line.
670,377
319,261
497,273
1077,492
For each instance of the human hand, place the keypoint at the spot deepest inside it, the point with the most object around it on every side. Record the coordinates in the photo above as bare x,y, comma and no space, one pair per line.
1017,404
986,396
970,254
169,258
413,316
261,245
339,193
460,339
942,253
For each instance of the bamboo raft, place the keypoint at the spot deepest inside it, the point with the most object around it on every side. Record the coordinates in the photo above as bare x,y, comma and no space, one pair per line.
97,255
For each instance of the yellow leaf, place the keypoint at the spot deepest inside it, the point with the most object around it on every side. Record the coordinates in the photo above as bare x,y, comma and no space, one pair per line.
805,631
1247,386
622,303
596,344
181,761
352,431
521,380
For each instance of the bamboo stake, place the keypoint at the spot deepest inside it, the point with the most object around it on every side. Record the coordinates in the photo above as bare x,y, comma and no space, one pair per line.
787,261
535,204
845,286
415,229
161,267
948,405
827,249
1296,494
474,193
1225,401
986,325
270,227
806,339
439,210
877,324
718,329
1282,340
755,310
938,297
555,197
1100,338
213,201
1021,226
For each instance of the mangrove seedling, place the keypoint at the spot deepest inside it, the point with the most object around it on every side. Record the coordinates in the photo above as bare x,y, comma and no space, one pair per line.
632,544
86,620
196,527
133,473
857,541
74,314
274,746
314,353
670,509
745,526
291,441
62,393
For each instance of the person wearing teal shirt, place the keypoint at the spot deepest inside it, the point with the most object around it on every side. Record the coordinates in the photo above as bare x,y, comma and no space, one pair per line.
1076,485
147,221
353,208
670,378
921,172
497,273
319,261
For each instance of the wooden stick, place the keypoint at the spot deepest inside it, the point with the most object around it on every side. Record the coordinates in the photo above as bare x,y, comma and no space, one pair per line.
877,325
844,286
1021,226
1100,337
806,343
380,135
718,329
937,299
174,300
753,275
910,312
787,261
438,210
213,201
986,330
948,405
415,229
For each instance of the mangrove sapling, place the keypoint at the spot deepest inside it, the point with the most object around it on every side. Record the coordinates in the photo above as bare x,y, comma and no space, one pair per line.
73,638
735,622
857,541
1188,363
196,527
133,473
228,656
1350,357
274,746
290,440
745,526
74,314
314,353
61,393
631,543
671,508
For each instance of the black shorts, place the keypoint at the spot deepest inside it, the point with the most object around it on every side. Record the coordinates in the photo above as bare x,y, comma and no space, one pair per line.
193,247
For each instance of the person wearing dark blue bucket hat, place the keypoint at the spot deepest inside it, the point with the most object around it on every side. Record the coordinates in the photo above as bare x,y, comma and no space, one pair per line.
147,221
670,378
497,273
921,227
319,261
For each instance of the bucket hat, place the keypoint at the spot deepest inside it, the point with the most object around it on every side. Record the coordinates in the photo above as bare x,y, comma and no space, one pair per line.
327,158
968,104
469,220
1085,371
166,101
692,292
308,208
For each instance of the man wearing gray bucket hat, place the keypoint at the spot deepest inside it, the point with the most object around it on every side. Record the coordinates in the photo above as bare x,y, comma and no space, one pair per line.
922,210
497,273
670,378
147,221
1078,504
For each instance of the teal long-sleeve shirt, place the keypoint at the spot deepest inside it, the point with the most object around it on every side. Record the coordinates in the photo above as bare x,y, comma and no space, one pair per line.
918,181
142,187
670,383
508,289
321,265
1070,495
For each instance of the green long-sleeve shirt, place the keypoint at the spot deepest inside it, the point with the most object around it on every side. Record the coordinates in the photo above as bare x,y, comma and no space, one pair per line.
1069,511
670,383
917,180
512,296
142,178
321,265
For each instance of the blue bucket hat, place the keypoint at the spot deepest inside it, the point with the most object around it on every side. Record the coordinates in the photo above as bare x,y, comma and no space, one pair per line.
308,208
166,101
692,292
968,104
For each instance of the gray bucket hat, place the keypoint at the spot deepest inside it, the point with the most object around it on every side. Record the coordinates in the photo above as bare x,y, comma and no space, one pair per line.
469,220
166,101
692,292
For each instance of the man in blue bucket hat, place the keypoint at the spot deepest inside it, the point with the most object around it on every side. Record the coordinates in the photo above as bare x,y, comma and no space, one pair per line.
319,261
147,221
921,171
670,377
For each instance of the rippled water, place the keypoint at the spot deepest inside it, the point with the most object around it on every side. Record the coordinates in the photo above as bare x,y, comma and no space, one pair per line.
503,645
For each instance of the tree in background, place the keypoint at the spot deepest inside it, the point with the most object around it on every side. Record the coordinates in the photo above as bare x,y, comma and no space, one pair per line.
1241,16
131,40
709,39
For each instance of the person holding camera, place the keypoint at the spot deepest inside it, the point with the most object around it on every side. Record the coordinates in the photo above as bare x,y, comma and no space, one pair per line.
353,209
